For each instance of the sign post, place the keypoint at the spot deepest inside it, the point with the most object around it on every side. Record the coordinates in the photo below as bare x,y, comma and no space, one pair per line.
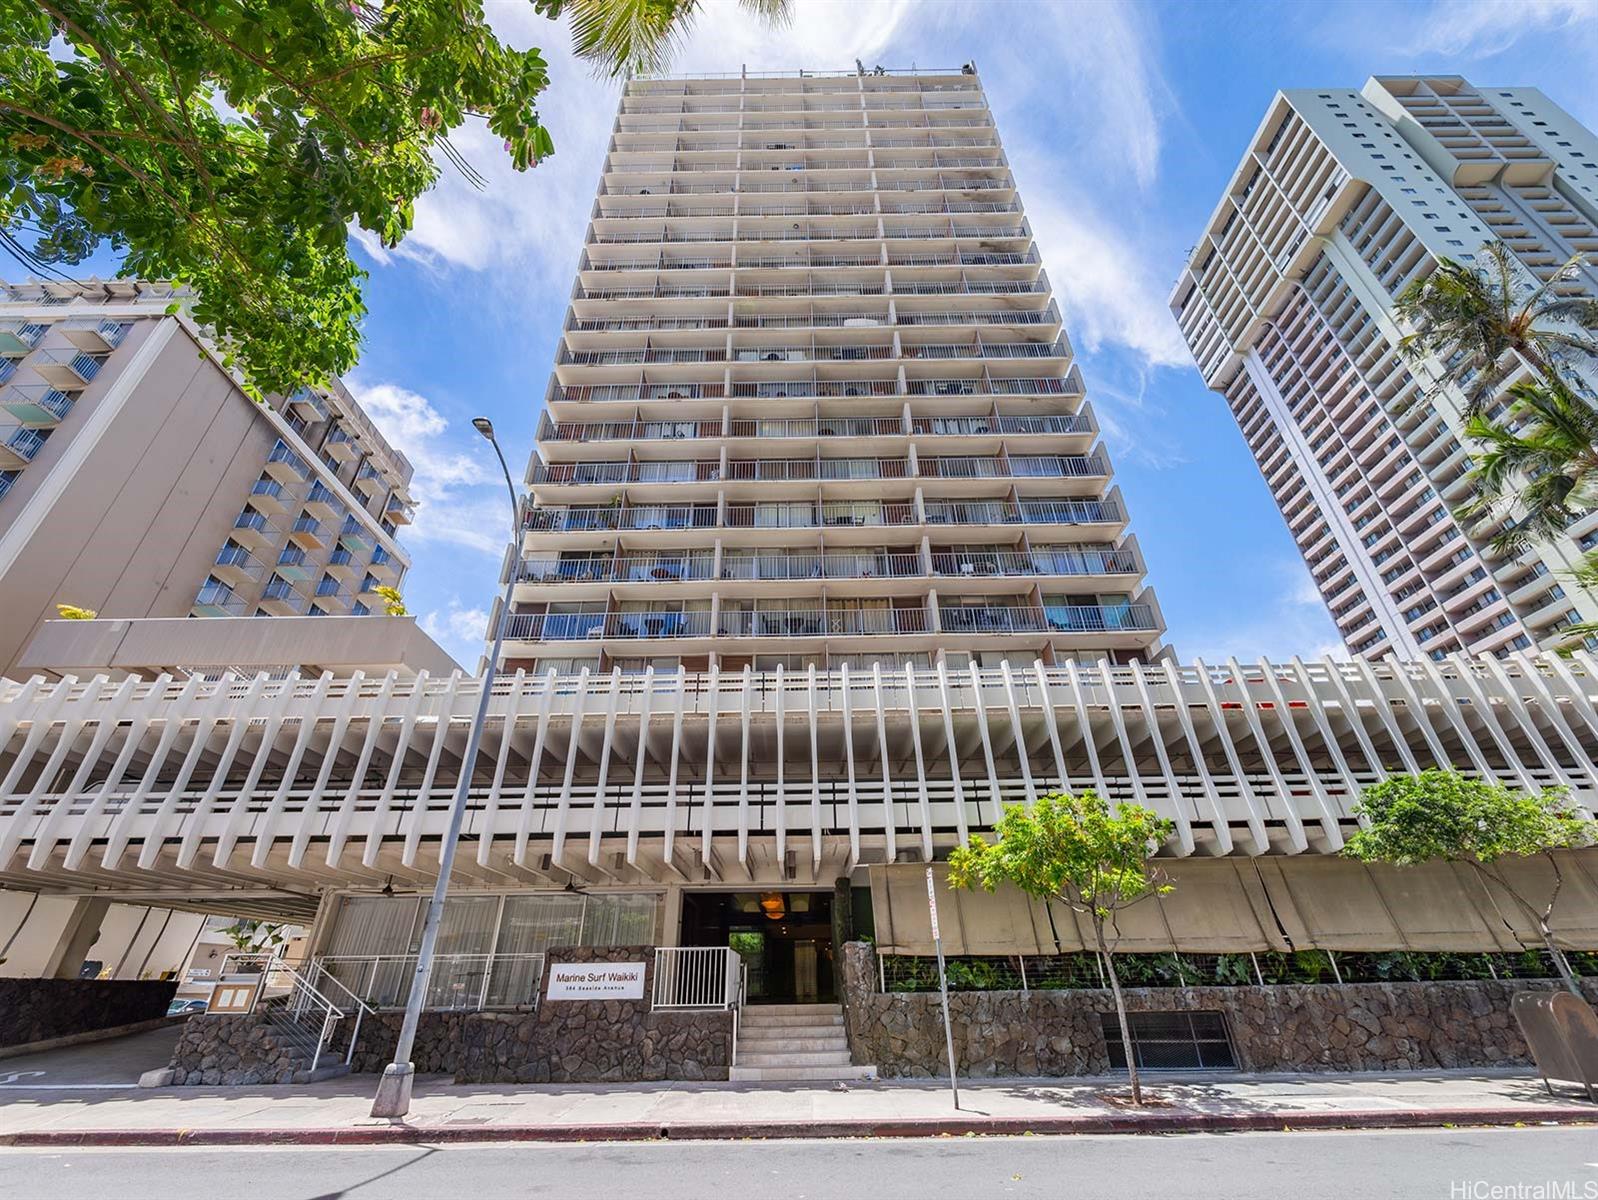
943,986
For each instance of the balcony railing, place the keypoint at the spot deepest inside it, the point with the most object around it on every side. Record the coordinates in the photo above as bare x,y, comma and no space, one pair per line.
802,389
967,564
568,627
860,565
802,514
25,443
816,622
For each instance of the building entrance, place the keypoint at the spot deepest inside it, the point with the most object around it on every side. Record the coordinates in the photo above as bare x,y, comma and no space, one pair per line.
784,938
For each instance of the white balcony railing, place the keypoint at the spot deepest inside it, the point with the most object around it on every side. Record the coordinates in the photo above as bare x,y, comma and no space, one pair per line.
688,977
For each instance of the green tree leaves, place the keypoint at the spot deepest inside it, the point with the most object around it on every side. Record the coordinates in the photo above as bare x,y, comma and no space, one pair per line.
228,145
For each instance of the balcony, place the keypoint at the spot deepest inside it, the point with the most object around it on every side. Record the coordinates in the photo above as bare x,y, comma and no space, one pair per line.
93,335
280,599
1050,618
269,496
357,539
369,481
340,446
66,369
384,566
820,622
868,564
311,534
19,337
285,466
399,512
344,565
293,565
969,564
254,530
237,567
306,405
217,599
569,627
36,404
20,446
323,504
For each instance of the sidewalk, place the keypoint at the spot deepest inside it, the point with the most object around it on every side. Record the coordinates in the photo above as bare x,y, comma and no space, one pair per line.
336,1111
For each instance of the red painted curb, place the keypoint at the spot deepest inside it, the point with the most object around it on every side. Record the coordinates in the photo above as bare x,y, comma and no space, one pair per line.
1171,1121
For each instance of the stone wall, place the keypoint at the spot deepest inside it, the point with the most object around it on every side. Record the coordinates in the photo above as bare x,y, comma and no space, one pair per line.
564,1041
32,1010
221,1048
1349,1027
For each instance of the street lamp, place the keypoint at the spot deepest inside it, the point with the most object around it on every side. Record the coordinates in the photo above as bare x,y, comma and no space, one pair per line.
394,1089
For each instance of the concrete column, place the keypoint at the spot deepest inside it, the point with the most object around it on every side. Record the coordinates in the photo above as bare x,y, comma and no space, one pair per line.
77,938
671,917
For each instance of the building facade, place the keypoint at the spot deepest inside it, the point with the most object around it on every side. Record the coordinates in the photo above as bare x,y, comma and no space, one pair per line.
813,403
138,480
1342,199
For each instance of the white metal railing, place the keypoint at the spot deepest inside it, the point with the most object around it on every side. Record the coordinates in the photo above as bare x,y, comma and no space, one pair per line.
296,1006
697,977
457,982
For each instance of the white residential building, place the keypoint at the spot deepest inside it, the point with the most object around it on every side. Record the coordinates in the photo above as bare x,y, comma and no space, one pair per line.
814,405
1342,199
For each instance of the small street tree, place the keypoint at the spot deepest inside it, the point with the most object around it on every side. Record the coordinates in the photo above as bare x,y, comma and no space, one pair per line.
1077,850
1448,817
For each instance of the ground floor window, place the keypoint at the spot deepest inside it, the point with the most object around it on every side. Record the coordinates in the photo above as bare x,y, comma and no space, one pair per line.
491,947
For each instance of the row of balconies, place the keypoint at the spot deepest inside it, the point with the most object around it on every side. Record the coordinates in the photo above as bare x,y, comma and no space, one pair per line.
869,182
876,563
779,230
855,318
806,470
986,425
742,288
804,103
1069,384
820,514
821,622
814,353
672,142
693,209
804,259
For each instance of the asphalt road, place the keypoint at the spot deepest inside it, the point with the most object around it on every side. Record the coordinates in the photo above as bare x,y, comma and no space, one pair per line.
1303,1166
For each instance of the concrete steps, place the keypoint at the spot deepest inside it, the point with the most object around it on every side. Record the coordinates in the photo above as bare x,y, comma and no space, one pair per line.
794,1042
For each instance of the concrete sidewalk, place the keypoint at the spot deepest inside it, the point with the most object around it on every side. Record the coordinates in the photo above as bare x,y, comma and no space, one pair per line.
336,1111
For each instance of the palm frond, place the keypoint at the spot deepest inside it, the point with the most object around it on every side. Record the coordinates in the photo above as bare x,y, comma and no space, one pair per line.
616,37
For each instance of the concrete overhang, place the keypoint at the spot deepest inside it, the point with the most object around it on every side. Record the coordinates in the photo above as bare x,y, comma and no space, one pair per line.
194,645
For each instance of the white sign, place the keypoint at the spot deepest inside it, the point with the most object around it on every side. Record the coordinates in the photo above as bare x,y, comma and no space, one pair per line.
596,981
932,904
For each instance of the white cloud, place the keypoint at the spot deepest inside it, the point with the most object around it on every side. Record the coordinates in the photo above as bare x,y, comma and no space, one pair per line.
460,630
1294,622
458,495
1481,28
1109,291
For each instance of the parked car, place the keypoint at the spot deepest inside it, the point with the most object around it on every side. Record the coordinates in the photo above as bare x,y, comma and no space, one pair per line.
179,1007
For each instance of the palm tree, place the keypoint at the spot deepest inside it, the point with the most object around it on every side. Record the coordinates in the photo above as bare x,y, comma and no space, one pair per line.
622,37
1472,318
1543,459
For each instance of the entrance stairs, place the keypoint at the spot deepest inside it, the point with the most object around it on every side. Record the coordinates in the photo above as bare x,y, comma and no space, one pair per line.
794,1042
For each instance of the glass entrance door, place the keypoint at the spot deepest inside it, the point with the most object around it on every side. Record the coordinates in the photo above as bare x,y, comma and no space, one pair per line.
784,939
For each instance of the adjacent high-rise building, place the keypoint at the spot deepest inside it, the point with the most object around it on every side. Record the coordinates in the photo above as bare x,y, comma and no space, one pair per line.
138,480
813,403
1342,199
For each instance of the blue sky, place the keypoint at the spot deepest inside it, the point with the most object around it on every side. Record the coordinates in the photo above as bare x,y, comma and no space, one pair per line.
1122,121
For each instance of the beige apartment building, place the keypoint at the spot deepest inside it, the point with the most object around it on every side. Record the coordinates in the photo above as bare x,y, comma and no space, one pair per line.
814,404
1341,200
138,480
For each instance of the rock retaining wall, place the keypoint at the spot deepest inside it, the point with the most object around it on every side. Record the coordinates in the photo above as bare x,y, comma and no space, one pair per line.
564,1041
1347,1027
34,1010
224,1049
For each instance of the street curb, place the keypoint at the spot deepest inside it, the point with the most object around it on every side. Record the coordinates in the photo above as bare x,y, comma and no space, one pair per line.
1178,1121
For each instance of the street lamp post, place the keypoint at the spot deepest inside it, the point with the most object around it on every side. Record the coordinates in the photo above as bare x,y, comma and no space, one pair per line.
394,1089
